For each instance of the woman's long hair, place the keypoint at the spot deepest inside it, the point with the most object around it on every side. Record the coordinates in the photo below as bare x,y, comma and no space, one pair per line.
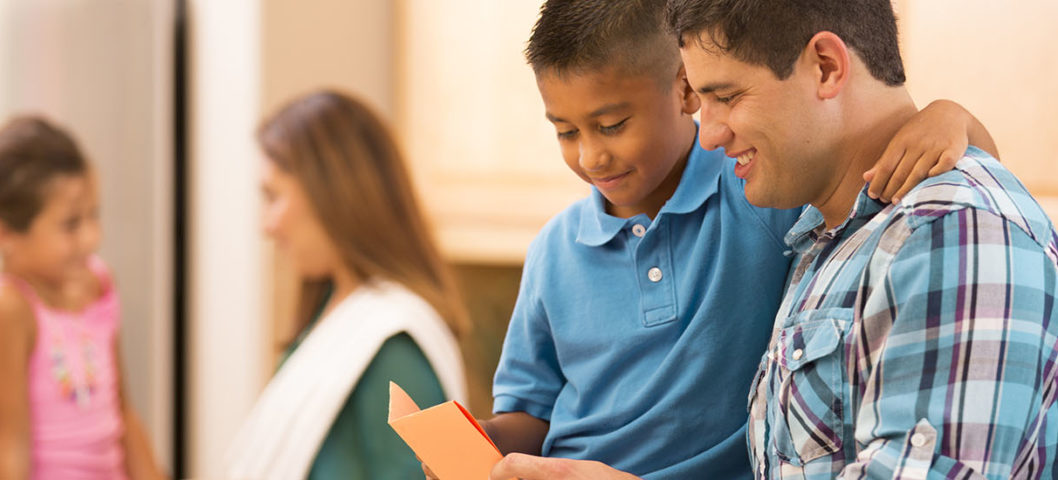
358,186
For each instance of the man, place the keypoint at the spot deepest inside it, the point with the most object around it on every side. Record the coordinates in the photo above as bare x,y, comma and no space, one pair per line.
916,338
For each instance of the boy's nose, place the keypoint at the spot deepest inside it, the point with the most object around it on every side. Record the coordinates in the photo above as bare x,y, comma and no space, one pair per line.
593,157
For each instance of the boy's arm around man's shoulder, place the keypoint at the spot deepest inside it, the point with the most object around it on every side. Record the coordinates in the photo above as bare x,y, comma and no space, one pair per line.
929,144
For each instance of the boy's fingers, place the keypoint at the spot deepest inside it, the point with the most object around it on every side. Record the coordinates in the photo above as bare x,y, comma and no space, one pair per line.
947,162
918,174
898,177
880,173
528,467
525,467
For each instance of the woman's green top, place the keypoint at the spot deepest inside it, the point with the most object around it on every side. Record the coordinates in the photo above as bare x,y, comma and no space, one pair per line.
361,444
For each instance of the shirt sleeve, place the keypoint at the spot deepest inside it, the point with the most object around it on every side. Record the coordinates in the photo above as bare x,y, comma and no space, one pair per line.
361,444
956,357
528,378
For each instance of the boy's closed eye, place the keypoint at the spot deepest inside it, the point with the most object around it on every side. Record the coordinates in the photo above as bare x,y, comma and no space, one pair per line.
567,134
614,128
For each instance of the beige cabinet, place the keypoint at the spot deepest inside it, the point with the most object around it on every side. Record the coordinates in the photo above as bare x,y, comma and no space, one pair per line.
486,161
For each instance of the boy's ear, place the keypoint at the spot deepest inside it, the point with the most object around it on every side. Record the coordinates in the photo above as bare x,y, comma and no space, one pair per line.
689,101
827,57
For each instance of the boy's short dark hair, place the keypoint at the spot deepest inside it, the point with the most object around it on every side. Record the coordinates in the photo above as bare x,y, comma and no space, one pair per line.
574,36
33,152
773,33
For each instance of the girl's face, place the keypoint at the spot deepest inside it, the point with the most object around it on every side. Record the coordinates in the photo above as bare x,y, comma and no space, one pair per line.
61,238
291,222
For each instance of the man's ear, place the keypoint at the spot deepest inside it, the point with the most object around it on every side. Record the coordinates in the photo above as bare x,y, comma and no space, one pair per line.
827,57
689,101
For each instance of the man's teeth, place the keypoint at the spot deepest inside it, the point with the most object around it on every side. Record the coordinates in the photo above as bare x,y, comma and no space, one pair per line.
746,157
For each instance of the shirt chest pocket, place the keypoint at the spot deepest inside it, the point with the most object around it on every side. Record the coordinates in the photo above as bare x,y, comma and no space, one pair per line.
806,391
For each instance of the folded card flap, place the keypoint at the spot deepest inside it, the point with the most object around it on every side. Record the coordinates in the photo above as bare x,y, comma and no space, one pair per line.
445,437
474,422
400,404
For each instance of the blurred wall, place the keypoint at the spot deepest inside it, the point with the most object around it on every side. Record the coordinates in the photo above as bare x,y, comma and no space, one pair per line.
1000,60
102,69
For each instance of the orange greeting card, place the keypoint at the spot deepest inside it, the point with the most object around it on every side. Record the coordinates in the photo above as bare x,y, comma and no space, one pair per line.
445,437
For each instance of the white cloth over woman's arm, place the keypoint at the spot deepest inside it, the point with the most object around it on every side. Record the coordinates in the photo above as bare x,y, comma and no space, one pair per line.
284,431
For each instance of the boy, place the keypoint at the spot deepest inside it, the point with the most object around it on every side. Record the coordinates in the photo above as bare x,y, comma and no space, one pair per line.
654,295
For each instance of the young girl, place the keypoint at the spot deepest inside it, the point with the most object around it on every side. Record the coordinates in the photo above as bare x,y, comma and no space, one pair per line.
377,304
62,411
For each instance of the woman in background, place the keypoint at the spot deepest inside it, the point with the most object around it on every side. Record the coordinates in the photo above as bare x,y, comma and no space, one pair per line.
376,302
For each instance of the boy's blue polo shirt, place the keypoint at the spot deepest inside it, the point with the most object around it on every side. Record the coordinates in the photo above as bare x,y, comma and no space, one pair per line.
638,339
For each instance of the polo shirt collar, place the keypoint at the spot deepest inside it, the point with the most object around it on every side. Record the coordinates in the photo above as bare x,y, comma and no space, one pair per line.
700,180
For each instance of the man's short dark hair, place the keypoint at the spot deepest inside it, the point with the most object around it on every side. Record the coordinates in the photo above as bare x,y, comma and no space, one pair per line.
574,36
773,33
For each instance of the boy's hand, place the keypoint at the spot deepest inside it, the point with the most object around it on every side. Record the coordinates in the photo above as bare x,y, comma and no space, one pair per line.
528,467
927,145
510,432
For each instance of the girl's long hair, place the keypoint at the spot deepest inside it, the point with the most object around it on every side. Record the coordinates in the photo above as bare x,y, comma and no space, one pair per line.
359,187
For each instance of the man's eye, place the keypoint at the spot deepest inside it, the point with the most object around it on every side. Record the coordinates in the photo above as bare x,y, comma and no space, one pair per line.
567,134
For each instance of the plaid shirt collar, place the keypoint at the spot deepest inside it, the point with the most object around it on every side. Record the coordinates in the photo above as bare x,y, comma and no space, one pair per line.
810,226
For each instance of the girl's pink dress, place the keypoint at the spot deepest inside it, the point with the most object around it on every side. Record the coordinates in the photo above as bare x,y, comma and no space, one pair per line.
75,408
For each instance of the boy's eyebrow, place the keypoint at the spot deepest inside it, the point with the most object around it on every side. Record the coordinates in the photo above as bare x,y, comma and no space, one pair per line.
609,108
603,110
